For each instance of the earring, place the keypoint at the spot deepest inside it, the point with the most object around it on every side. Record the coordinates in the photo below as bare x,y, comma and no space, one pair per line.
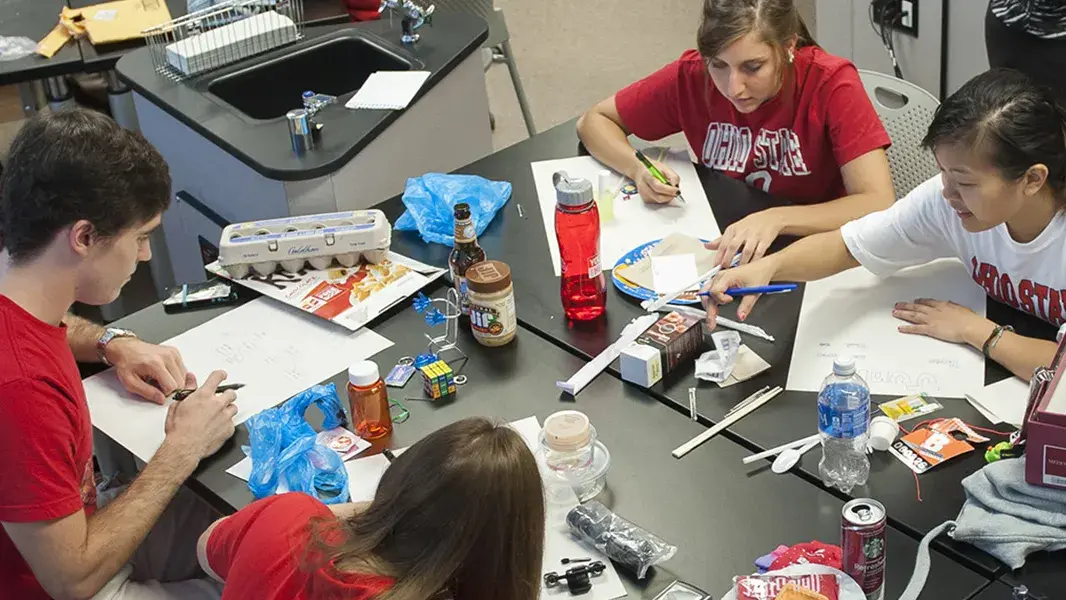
791,55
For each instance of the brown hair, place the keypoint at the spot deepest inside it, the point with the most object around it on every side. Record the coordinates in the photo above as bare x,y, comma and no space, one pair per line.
777,23
460,514
77,164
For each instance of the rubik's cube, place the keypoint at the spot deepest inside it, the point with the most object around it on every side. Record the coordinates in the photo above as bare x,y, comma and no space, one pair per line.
438,380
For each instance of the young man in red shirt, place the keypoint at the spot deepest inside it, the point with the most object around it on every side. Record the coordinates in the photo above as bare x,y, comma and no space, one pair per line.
759,101
78,199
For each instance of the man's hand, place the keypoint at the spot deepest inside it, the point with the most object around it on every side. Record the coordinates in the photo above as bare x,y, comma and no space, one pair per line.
751,236
653,191
150,371
755,274
201,423
942,320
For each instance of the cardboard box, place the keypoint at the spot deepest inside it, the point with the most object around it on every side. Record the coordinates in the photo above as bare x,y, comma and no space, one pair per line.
1045,432
673,339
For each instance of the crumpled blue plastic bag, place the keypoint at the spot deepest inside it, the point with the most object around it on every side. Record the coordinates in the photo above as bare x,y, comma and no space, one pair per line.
431,199
283,448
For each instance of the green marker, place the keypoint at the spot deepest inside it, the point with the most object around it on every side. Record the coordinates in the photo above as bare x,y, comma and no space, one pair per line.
656,173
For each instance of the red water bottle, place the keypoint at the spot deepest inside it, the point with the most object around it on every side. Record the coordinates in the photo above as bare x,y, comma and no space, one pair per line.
577,228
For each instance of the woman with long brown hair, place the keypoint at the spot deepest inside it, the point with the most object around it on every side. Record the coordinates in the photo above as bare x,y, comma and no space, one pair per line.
757,100
459,515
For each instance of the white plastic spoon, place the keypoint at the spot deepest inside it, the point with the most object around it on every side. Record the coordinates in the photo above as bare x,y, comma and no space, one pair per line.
788,459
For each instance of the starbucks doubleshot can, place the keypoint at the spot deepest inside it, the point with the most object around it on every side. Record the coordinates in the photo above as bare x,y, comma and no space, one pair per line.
862,539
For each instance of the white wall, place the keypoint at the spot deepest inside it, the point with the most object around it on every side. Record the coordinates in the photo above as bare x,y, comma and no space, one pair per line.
844,29
966,42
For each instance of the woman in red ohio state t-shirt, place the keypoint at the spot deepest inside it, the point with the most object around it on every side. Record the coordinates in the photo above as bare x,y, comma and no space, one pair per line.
758,101
459,515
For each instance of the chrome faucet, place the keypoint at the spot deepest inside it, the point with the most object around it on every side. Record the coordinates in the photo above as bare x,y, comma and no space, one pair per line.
303,129
413,17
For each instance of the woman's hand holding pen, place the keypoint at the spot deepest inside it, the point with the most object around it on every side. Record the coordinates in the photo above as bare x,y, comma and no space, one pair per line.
651,189
758,273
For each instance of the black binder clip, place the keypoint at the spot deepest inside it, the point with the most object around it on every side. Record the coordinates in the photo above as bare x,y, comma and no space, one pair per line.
576,578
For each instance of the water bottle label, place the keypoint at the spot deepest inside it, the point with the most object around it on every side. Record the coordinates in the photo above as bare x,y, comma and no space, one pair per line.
594,267
843,423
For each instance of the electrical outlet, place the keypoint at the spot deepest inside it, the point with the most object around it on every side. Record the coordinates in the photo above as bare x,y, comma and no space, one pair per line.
908,17
900,15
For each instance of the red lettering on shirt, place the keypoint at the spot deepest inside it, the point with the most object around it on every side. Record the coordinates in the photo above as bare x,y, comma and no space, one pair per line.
1025,294
1054,309
1007,295
989,279
1041,292
1034,298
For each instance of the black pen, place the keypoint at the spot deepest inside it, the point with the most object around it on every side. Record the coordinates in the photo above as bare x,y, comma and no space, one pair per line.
388,455
184,393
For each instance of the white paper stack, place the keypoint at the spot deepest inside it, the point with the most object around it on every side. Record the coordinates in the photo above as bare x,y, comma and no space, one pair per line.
388,90
230,43
1002,402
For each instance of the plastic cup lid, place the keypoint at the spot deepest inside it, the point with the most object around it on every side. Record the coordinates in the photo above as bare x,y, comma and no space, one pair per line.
567,430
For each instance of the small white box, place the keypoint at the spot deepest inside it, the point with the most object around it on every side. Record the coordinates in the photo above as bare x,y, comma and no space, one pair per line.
641,364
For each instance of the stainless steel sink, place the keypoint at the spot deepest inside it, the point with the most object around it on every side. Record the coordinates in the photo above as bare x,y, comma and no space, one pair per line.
271,86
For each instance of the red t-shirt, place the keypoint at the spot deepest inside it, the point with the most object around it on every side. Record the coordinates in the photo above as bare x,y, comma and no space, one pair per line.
46,439
262,553
792,146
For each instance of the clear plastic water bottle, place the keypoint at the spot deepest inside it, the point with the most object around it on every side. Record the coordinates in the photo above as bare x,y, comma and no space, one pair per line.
844,424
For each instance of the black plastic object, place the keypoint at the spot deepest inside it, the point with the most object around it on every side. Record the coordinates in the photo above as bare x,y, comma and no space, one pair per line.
622,541
578,579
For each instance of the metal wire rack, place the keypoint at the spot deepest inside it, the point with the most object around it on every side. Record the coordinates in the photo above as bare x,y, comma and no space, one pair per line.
223,34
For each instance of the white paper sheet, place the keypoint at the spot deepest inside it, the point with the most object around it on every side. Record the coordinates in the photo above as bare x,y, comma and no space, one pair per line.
275,350
391,90
634,222
1003,401
671,272
851,313
365,473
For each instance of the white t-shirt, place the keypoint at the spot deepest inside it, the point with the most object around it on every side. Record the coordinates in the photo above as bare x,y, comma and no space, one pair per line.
922,227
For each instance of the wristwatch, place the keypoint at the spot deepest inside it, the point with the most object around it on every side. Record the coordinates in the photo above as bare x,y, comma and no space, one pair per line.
109,334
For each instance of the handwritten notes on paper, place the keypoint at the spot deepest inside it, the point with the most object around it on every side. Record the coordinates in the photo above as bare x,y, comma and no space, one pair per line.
634,222
851,313
275,350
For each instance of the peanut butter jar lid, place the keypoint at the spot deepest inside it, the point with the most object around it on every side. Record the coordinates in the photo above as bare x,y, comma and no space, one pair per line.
488,277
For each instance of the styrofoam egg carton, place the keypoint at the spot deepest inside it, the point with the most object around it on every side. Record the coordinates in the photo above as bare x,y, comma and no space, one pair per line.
289,243
230,43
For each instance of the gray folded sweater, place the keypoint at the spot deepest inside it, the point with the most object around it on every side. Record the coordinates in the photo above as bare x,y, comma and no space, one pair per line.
1004,516
1009,518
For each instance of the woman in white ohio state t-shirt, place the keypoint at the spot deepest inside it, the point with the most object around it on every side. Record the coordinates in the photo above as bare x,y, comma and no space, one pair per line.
999,205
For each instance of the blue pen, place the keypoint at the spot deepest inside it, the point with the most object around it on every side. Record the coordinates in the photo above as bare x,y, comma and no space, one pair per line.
777,288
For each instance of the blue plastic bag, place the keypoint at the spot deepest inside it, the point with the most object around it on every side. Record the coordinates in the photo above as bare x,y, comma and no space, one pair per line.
283,448
431,199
